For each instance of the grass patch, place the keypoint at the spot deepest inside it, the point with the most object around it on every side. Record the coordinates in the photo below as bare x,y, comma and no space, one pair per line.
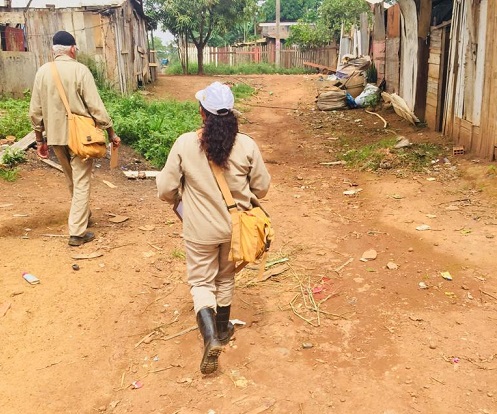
9,174
244,69
149,127
152,127
14,117
242,91
12,156
383,155
178,254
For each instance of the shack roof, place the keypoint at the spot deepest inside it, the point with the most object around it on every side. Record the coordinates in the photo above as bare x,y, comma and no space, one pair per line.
63,4
83,4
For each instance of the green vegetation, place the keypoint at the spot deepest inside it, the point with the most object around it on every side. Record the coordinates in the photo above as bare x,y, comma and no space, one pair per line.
162,50
247,69
178,254
491,171
383,155
97,70
150,127
290,10
242,91
328,21
9,174
10,158
197,20
14,118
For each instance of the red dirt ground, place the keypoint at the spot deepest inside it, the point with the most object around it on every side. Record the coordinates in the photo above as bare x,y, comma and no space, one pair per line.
368,340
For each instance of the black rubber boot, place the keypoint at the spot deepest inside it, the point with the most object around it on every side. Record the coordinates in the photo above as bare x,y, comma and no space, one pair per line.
206,320
225,328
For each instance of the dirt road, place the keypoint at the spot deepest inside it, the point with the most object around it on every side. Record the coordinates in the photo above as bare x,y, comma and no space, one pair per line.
331,334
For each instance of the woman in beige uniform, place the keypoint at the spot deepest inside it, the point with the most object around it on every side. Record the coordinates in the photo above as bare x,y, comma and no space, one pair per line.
206,220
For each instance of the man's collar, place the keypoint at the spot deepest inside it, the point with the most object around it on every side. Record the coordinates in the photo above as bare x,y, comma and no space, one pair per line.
63,57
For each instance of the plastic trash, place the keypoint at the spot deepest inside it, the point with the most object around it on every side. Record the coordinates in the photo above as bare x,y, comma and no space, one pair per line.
369,96
31,279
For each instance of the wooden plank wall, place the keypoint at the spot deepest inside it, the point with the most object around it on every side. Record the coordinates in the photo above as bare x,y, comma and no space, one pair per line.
379,41
470,117
433,78
392,50
290,57
117,41
379,50
488,139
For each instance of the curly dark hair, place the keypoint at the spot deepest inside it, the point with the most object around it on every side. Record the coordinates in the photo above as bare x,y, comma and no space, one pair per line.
218,137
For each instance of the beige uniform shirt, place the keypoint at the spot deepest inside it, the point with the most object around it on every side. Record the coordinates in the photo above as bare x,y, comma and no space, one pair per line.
47,110
206,219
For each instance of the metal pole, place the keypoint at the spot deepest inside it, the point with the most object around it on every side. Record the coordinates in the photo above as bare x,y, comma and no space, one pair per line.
277,35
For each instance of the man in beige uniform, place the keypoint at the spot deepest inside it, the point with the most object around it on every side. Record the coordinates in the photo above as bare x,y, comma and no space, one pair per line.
48,114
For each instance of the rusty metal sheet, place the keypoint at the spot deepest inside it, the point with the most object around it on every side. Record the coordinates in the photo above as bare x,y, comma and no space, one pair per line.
14,39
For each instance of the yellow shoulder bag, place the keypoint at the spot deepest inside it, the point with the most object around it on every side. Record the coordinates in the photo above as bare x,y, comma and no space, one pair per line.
252,232
85,139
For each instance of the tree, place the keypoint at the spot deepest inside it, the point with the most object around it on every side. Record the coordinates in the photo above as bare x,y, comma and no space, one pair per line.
291,10
310,36
334,13
331,15
198,20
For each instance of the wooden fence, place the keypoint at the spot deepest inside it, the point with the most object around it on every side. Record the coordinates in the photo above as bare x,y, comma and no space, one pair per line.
290,57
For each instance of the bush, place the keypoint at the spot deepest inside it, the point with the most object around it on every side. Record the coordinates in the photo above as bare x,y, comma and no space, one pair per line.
14,117
12,156
9,159
151,127
9,174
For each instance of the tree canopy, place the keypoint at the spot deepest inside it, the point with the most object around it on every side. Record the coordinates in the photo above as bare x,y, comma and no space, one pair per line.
335,12
198,20
331,15
290,10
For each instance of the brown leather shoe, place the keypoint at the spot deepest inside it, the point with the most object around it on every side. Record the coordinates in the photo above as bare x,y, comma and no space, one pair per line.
79,240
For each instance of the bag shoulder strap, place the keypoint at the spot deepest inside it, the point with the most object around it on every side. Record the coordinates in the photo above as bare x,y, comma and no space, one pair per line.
230,203
60,88
232,208
223,186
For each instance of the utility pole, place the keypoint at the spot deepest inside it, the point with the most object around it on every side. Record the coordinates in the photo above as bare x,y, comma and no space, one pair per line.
277,35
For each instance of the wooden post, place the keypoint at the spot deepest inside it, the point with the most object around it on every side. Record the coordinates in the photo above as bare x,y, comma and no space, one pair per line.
424,20
277,36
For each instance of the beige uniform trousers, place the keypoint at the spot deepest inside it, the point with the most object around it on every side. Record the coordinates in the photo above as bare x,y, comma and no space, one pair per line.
78,177
211,275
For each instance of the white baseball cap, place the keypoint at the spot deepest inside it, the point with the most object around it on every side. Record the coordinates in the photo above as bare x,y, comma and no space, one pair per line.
216,98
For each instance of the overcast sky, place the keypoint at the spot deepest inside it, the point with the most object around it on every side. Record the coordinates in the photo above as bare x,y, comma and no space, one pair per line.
166,37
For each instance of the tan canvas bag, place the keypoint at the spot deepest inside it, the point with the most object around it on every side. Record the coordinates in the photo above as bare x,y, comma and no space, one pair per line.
252,232
85,139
